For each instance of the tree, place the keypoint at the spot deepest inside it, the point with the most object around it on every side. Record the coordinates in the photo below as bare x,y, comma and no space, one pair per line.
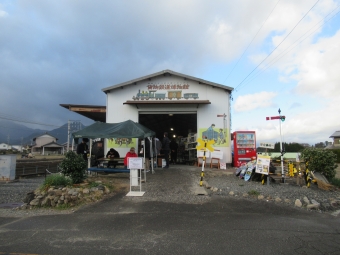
288,147
74,165
320,160
320,145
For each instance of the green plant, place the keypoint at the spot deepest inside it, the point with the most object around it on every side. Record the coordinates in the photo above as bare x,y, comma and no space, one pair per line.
336,182
93,184
63,206
55,180
320,160
253,193
75,166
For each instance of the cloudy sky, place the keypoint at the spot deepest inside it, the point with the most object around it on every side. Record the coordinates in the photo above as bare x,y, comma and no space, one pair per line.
276,54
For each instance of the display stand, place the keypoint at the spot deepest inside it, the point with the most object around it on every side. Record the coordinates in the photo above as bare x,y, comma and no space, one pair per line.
135,165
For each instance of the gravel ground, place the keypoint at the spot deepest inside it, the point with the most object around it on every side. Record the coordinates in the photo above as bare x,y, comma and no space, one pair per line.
178,185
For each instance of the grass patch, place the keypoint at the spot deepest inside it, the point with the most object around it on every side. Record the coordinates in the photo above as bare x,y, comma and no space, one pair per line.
63,207
336,182
55,180
93,184
253,193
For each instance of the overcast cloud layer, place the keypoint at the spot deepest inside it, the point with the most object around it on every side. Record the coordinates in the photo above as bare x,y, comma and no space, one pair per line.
276,54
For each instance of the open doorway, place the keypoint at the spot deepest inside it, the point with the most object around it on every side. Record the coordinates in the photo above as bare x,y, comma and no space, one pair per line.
176,124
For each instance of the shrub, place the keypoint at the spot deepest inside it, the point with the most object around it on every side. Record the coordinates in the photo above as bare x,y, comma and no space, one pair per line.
55,180
337,152
75,166
336,182
320,160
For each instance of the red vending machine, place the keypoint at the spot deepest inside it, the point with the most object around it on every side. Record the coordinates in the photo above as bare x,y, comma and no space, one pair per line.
244,147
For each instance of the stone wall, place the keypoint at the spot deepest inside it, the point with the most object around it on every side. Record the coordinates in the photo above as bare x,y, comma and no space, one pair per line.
64,196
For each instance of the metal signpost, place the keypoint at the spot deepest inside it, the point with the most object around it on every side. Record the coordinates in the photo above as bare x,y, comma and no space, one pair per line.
280,118
204,145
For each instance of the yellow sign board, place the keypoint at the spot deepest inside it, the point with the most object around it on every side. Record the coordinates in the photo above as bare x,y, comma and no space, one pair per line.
205,145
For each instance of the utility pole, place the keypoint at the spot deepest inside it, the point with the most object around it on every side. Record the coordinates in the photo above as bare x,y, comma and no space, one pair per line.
72,126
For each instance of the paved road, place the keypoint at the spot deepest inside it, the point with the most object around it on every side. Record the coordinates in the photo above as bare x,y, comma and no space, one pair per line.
220,226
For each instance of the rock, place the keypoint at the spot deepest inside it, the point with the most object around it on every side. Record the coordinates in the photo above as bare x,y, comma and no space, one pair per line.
29,197
314,202
231,193
206,184
277,199
336,213
107,190
86,191
287,200
35,202
101,187
62,198
94,189
306,200
98,181
313,206
260,197
215,189
53,203
245,195
298,203
46,202
58,192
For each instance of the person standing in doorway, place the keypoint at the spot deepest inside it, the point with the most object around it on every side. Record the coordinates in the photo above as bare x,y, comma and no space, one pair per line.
82,148
173,148
166,149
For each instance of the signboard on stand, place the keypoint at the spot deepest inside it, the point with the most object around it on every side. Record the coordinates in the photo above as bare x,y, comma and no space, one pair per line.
135,165
262,164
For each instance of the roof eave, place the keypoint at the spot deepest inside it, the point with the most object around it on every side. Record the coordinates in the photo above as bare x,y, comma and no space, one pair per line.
134,81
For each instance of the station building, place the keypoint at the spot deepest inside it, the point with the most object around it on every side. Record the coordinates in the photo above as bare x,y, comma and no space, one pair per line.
184,106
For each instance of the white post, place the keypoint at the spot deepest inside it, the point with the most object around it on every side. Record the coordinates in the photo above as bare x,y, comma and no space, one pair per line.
282,170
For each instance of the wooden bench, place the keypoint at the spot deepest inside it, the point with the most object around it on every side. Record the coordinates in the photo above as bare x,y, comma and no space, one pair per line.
108,170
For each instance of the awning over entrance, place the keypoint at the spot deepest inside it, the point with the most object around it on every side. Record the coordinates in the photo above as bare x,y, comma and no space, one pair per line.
93,112
167,102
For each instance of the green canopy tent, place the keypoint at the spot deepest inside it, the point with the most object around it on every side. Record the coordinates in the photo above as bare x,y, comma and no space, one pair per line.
126,129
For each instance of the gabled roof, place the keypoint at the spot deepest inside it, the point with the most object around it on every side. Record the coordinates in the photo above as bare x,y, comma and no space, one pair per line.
336,134
43,135
51,144
166,73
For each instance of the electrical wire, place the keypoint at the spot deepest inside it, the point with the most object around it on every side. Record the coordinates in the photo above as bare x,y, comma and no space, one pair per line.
238,86
291,47
251,42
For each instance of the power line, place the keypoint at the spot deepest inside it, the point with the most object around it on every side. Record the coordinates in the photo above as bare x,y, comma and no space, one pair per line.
251,42
300,40
276,46
29,122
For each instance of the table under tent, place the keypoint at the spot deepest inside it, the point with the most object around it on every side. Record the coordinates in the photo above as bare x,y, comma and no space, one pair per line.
126,129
